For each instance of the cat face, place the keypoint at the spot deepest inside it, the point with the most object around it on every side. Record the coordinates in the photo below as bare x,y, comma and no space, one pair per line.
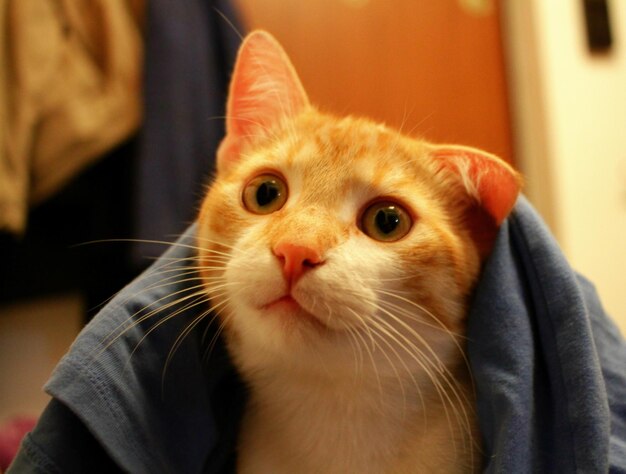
336,241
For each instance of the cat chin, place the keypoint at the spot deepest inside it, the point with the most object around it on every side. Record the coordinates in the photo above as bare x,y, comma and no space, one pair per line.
292,315
282,335
279,325
311,311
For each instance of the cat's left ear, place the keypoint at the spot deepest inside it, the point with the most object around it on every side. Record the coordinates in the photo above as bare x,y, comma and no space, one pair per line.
264,90
491,182
491,185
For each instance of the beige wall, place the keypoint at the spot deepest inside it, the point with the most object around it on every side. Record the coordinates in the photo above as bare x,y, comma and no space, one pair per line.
33,337
570,109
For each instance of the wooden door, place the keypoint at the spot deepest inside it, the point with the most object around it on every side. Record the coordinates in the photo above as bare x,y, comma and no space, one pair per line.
432,67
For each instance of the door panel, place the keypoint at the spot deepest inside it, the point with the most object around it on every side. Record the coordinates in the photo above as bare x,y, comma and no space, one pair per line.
433,68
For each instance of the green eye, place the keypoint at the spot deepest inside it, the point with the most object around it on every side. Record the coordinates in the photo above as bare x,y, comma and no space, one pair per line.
386,221
265,194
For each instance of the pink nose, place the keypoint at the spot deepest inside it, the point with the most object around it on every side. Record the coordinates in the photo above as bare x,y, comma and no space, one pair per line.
296,259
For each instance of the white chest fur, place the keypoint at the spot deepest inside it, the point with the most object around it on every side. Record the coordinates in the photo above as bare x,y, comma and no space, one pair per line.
312,426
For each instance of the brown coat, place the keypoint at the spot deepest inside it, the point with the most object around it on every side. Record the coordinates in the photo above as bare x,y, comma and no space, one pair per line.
70,77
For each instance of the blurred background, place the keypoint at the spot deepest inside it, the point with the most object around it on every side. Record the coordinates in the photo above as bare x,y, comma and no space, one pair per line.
110,113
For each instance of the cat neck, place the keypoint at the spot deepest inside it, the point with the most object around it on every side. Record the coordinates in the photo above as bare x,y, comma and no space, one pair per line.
357,424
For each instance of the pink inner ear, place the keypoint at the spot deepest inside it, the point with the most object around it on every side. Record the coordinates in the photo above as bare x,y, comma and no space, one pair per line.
491,181
264,90
265,87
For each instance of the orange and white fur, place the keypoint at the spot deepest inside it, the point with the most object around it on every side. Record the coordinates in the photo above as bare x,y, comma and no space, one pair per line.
340,257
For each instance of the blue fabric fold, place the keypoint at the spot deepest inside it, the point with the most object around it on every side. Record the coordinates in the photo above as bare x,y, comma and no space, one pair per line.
548,364
150,412
542,394
190,51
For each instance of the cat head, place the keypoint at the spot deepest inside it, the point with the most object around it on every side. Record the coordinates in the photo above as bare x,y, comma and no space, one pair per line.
322,235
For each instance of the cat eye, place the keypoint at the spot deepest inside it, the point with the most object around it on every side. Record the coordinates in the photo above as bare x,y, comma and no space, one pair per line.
386,221
264,194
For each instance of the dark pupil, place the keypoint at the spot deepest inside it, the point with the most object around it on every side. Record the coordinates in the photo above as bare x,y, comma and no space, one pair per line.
387,220
267,192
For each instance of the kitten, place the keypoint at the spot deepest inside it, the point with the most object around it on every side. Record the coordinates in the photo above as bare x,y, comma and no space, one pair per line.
340,257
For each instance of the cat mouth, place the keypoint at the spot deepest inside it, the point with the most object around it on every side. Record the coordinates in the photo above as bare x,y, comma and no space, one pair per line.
288,307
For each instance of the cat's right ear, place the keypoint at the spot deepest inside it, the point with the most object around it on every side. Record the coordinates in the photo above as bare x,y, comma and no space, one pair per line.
264,91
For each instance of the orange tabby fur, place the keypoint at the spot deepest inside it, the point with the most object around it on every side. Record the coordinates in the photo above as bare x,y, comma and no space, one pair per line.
365,372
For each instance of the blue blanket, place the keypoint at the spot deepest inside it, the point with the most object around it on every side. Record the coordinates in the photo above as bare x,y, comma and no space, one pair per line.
550,371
